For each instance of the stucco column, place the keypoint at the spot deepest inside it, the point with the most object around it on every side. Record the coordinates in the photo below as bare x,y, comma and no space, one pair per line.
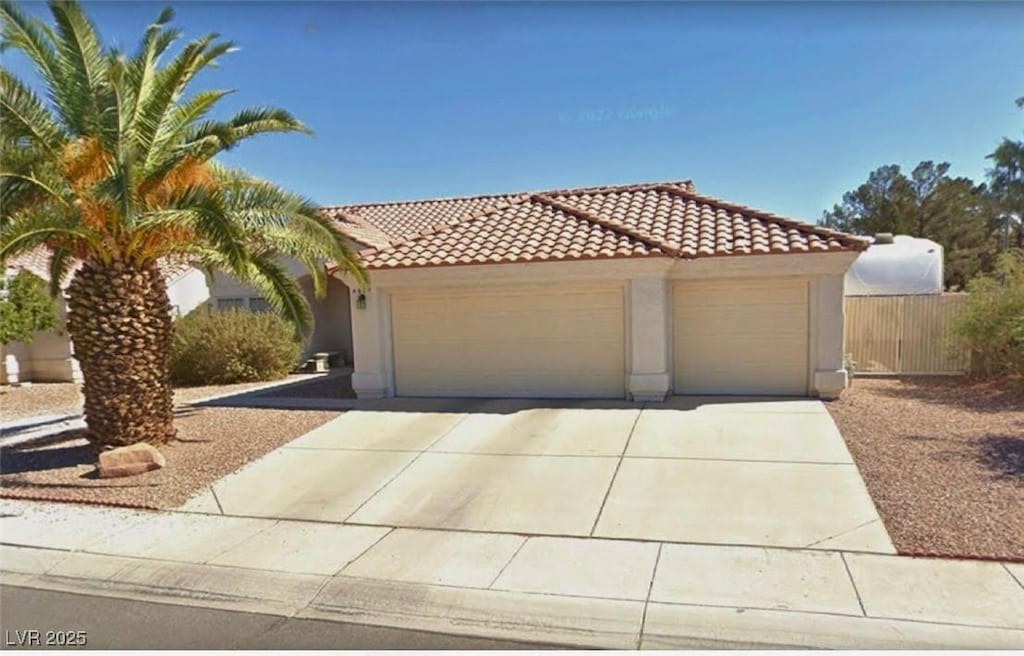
371,343
829,374
649,371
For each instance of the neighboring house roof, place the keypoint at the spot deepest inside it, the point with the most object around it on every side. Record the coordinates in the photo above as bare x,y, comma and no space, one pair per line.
37,261
640,220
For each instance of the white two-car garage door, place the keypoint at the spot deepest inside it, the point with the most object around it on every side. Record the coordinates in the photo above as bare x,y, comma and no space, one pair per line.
741,337
524,342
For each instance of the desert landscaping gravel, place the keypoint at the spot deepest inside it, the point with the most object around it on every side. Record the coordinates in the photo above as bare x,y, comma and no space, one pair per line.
211,443
37,399
943,459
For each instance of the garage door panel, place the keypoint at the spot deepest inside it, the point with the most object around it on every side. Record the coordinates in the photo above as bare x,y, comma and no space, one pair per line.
747,337
510,343
732,324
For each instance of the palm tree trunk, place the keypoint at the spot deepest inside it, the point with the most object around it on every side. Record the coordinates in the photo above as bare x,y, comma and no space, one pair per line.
120,324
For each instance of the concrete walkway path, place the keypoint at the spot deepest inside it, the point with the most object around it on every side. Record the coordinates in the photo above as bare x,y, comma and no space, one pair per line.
586,592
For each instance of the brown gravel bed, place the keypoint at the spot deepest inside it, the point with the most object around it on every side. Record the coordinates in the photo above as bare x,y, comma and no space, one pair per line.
943,459
37,399
212,442
328,387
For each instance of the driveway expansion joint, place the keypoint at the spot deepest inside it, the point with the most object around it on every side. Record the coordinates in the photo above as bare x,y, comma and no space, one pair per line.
842,533
849,574
618,465
1013,576
647,601
213,491
497,576
364,551
407,465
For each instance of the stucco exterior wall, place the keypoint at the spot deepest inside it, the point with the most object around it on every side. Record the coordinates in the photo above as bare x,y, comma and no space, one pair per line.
49,357
332,330
647,286
223,285
332,322
188,292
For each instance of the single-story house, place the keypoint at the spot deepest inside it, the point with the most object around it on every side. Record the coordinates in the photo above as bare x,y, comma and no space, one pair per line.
49,357
633,291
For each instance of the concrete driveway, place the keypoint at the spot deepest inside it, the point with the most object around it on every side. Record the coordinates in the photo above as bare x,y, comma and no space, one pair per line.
763,472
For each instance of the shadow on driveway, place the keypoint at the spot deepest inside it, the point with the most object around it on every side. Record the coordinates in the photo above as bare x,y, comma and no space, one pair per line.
335,393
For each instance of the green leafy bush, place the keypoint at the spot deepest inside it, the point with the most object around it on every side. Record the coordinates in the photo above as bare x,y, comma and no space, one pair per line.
232,346
992,326
26,307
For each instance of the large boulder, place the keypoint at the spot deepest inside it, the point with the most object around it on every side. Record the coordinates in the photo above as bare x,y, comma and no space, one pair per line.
130,461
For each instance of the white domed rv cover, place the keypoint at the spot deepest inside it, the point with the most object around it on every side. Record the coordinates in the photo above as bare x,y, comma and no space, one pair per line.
909,265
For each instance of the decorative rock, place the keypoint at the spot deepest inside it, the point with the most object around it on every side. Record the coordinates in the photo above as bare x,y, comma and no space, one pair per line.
129,461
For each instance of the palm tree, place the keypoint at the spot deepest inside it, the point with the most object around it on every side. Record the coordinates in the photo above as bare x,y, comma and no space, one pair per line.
116,170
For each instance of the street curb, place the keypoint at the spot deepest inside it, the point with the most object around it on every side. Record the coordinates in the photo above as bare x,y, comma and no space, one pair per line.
569,621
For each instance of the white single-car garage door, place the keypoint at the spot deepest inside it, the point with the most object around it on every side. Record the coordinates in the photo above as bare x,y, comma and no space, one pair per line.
522,342
741,337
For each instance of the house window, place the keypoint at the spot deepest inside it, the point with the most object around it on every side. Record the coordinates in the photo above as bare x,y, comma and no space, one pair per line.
253,303
259,304
230,303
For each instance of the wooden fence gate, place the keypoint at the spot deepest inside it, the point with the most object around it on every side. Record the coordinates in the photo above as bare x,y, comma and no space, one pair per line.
904,334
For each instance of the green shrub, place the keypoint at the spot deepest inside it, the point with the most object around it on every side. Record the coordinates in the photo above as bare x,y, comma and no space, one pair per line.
232,346
992,326
26,307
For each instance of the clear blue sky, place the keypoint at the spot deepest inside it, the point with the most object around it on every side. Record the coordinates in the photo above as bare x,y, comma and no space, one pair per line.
780,106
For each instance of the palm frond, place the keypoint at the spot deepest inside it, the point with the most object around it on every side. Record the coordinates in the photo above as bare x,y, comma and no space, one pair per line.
82,59
170,82
172,132
287,223
34,229
212,222
23,115
210,138
33,37
142,68
59,265
18,189
120,164
278,286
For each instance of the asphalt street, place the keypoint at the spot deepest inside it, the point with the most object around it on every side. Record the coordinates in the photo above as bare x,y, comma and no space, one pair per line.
28,615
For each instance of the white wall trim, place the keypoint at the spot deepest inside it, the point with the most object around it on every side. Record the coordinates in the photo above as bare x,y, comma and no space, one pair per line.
763,266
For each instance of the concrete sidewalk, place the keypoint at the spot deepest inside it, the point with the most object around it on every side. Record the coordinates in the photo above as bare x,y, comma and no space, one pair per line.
585,592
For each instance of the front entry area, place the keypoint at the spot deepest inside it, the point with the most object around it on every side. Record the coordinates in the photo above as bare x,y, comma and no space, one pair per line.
741,337
532,342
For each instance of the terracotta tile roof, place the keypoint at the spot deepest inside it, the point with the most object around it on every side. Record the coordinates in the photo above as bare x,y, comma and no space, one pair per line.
640,220
521,231
37,261
378,223
357,228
